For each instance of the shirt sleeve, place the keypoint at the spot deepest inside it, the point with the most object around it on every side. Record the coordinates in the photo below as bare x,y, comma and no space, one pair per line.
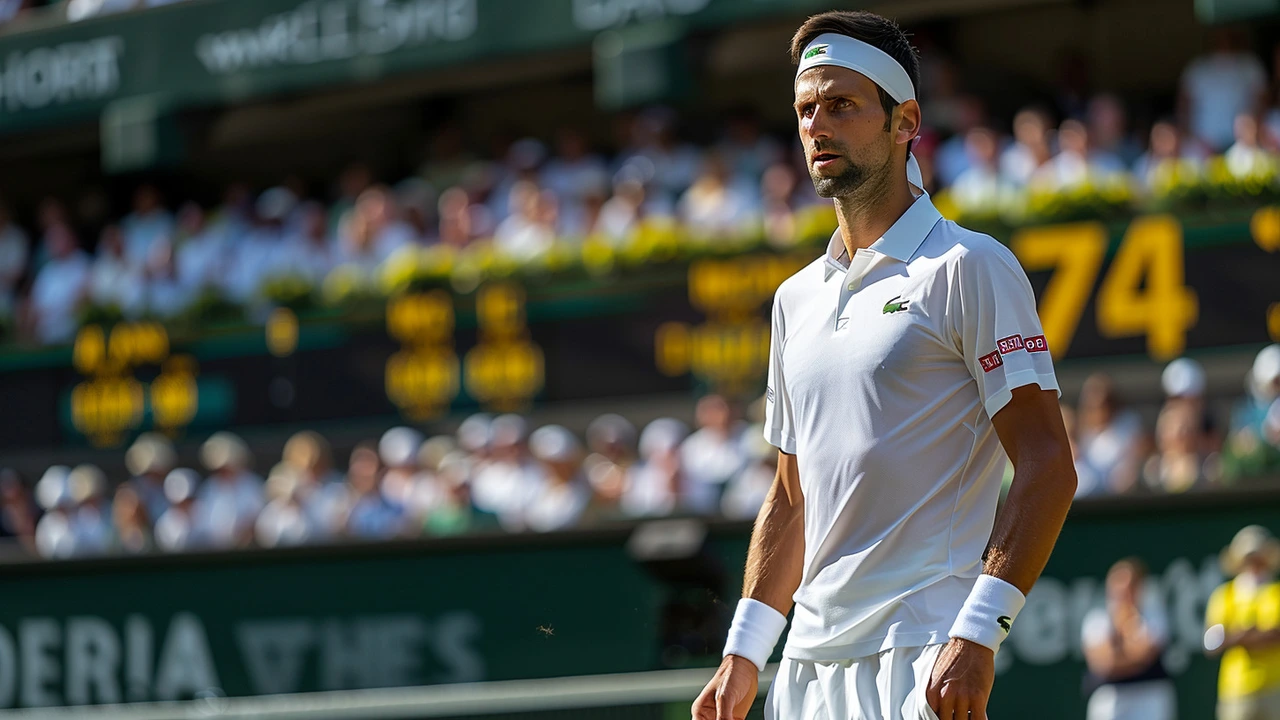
779,424
999,333
1268,615
1215,612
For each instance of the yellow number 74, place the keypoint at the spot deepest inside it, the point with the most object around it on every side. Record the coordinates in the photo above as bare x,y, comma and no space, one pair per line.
1142,293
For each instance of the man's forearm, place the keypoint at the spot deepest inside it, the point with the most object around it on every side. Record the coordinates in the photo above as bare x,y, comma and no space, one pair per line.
1044,482
776,556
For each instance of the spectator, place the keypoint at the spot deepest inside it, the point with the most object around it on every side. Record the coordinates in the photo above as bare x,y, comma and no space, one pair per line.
320,487
1217,87
309,252
745,492
980,188
447,159
90,520
1110,437
1246,158
1123,644
509,482
612,441
654,483
175,531
54,536
778,205
457,218
18,511
131,527
417,201
711,456
1178,464
520,163
284,522
429,491
1183,381
524,235
147,228
1112,144
14,252
1088,484
1075,163
150,460
565,494
255,256
713,207
60,287
622,213
398,451
1251,448
746,150
1243,627
352,181
113,280
370,516
229,501
574,175
200,249
1165,152
674,163
1031,149
952,158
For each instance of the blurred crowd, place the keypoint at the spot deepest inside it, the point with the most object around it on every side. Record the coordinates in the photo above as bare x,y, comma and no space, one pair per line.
1190,448
500,474
523,196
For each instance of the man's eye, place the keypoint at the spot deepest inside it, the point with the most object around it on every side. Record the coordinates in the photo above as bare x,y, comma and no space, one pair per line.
841,105
807,110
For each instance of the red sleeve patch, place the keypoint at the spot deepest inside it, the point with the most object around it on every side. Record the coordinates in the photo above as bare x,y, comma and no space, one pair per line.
1037,344
1009,344
991,362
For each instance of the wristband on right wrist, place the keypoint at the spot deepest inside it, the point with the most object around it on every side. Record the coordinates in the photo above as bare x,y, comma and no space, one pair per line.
755,631
989,612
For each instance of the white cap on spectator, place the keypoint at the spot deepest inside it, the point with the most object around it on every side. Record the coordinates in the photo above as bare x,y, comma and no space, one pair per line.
455,468
51,488
434,450
1182,378
151,452
399,446
282,481
474,432
1265,372
662,435
85,482
224,449
611,429
554,443
509,429
180,485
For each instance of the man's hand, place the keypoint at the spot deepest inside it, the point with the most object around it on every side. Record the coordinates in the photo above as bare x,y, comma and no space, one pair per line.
731,691
961,681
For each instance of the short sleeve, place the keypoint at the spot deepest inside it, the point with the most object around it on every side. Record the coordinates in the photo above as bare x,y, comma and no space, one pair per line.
994,315
1268,615
1215,612
779,423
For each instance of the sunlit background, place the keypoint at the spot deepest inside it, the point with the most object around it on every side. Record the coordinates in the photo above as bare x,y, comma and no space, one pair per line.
388,347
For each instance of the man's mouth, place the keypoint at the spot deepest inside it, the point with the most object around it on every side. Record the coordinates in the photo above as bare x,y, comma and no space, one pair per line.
824,159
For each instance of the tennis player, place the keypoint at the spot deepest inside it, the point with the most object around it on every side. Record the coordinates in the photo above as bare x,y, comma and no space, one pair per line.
901,362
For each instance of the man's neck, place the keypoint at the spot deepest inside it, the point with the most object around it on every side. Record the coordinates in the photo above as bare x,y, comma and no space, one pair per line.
868,213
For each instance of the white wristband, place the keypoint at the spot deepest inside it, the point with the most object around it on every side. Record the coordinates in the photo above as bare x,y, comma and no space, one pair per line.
989,612
755,630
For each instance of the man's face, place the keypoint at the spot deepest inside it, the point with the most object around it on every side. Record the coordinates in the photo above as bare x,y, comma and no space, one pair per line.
847,138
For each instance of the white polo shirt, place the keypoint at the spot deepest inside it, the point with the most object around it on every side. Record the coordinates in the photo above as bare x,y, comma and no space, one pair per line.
884,374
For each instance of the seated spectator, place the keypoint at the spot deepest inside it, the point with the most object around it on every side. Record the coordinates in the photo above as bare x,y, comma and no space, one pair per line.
1075,163
715,207
369,516
574,175
457,218
200,249
745,492
228,502
453,515
255,255
90,518
530,230
1108,129
1179,464
1165,152
130,524
320,487
18,511
1253,448
746,150
60,287
54,532
778,191
150,460
711,456
1246,157
1110,437
113,280
980,188
1242,622
308,252
417,202
612,441
1183,381
1123,644
1088,483
673,163
622,213
174,530
1217,87
284,521
147,228
1030,150
429,492
565,494
398,451
165,294
654,483
14,253
507,484
952,157
384,221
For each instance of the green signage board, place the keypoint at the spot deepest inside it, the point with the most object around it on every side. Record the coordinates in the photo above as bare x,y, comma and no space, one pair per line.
529,607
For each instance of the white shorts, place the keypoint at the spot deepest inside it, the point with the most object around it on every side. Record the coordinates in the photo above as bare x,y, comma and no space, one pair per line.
887,686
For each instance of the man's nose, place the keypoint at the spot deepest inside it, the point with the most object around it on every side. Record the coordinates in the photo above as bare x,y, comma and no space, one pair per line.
817,125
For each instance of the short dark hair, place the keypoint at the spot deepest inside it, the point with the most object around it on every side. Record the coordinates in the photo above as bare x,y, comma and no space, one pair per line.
870,28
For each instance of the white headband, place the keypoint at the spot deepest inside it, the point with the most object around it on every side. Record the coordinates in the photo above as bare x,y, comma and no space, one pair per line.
869,60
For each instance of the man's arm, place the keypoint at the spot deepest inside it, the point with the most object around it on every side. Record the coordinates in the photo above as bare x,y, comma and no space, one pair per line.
1044,482
774,565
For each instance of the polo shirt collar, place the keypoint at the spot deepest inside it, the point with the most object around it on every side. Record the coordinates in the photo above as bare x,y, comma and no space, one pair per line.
899,242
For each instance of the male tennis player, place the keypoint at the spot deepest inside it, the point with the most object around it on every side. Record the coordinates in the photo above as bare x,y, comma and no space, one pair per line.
901,362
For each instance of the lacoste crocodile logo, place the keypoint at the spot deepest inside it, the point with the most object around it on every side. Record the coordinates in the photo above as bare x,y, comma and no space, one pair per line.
895,305
816,51
1004,621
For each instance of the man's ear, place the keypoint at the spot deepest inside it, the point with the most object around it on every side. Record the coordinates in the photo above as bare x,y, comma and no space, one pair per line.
908,125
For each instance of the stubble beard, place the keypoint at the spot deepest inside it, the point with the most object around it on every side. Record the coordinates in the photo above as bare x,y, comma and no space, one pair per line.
857,180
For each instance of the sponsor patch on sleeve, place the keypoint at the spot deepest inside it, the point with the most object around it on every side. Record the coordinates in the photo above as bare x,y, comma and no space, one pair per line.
768,394
1009,344
1037,344
991,361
